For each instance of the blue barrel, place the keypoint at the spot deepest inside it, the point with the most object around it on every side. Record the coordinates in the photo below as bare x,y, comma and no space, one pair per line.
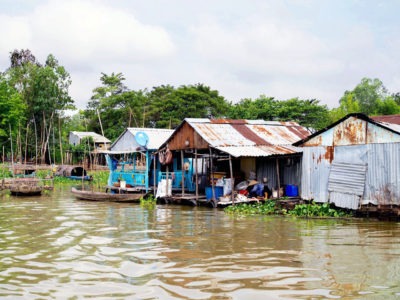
218,190
291,190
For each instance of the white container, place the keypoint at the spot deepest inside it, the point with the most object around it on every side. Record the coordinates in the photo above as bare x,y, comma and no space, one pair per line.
122,184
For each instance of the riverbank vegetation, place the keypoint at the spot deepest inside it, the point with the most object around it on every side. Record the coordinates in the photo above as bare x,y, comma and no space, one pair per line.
304,210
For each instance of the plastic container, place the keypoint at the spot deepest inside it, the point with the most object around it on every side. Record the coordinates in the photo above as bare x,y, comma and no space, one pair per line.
218,190
291,190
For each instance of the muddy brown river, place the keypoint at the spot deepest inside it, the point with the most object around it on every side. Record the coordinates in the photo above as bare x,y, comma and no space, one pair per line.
56,247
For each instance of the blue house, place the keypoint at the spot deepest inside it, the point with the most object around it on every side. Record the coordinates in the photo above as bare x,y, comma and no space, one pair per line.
133,167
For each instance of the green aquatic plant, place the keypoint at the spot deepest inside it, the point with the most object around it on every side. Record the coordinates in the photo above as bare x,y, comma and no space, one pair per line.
266,208
318,210
148,201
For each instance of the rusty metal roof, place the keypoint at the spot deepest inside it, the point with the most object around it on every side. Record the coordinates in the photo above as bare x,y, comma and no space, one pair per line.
252,138
353,133
392,119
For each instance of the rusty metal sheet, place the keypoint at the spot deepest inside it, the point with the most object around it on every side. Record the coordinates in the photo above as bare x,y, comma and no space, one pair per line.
377,134
392,119
351,131
259,151
251,137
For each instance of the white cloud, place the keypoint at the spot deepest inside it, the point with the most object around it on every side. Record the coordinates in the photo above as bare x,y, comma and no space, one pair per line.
242,49
86,37
88,31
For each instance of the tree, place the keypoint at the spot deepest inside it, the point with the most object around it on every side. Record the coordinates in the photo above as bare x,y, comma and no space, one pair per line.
347,106
168,106
308,113
12,109
369,97
117,106
44,90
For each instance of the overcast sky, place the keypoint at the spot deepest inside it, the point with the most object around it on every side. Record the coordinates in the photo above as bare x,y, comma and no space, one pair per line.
283,49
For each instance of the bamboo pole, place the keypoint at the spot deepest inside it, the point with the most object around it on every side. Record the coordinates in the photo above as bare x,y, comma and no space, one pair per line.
36,141
26,141
12,152
154,175
278,177
167,184
212,174
60,138
183,173
232,180
196,174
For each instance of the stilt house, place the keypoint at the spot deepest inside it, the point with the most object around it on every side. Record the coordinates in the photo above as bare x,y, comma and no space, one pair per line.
353,162
237,150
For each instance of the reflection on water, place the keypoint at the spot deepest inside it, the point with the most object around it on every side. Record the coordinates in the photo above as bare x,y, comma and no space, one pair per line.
55,247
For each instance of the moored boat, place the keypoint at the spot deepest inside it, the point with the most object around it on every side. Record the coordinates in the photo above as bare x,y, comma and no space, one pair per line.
106,196
26,186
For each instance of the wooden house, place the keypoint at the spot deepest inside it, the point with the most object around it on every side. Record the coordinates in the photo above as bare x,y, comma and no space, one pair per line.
236,150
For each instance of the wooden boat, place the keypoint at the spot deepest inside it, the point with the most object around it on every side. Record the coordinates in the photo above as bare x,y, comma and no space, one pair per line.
106,197
73,172
84,178
25,187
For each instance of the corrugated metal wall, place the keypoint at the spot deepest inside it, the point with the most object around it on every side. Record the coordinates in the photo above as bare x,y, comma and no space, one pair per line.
346,183
315,174
383,176
382,183
289,171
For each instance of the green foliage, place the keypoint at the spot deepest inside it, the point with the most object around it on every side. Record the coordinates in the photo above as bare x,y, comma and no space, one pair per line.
301,210
43,91
163,107
118,107
148,201
317,210
4,172
100,178
308,113
12,108
192,101
266,208
369,97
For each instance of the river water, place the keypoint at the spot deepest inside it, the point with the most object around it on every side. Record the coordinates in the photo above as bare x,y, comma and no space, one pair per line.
56,247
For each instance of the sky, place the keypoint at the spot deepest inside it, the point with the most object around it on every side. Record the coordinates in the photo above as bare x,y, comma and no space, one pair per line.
310,49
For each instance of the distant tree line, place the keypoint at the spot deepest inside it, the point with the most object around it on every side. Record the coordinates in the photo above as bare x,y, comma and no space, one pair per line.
35,96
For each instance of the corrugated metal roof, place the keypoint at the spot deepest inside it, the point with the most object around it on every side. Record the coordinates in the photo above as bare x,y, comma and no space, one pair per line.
126,141
259,151
97,138
250,137
392,119
157,136
353,132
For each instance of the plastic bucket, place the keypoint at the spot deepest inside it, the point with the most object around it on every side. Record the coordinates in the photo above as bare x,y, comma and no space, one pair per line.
218,190
291,190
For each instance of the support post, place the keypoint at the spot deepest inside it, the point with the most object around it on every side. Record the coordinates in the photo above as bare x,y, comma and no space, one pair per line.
183,174
278,177
232,180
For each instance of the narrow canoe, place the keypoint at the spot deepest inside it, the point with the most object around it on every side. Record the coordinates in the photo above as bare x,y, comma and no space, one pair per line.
106,197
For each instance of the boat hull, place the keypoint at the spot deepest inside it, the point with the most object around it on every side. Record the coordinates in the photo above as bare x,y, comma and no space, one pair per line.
106,197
